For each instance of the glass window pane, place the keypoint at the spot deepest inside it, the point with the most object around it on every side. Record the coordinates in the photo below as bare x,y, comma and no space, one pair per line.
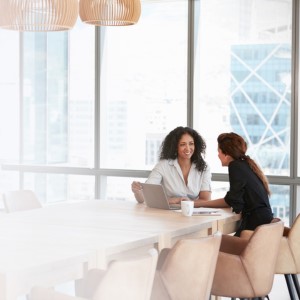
58,99
51,188
243,78
45,97
119,188
9,99
143,85
9,109
82,95
9,181
280,202
219,189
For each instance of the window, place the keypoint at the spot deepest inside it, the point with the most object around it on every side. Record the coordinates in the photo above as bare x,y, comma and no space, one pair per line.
143,79
237,59
81,120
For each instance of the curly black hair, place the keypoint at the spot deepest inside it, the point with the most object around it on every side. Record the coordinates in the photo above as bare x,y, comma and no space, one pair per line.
169,146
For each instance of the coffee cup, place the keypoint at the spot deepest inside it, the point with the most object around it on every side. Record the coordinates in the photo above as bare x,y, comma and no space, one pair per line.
187,207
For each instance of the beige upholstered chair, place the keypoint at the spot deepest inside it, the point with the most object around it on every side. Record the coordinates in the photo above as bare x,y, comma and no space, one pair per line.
20,200
245,267
288,261
130,279
185,271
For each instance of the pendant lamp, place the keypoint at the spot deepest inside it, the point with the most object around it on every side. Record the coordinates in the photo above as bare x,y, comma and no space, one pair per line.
110,12
38,15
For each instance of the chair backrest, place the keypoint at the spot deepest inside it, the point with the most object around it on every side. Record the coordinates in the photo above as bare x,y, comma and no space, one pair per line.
294,241
260,255
288,261
130,279
188,269
20,200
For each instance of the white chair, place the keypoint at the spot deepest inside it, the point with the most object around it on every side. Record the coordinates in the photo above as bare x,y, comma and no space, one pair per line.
20,200
288,260
245,267
124,279
186,271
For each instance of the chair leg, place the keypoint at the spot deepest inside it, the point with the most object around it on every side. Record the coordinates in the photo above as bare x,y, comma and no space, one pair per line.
296,284
289,284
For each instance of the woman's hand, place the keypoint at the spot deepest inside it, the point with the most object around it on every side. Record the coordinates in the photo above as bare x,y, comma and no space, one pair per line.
136,187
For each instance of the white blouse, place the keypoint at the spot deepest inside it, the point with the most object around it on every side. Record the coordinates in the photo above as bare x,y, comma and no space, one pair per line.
168,173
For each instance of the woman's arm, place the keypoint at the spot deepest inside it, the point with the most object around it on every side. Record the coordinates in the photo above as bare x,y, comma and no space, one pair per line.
154,177
204,195
217,203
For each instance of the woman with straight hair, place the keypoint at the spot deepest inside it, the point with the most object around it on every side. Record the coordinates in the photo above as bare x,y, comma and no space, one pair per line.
249,189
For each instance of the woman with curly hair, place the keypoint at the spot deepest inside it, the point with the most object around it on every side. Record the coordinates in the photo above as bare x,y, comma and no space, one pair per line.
249,189
181,169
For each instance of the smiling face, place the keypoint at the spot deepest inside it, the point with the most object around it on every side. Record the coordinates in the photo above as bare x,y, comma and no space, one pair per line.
186,147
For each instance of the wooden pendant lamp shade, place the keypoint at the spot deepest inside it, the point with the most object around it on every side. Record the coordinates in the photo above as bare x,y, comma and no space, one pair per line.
38,15
110,12
58,15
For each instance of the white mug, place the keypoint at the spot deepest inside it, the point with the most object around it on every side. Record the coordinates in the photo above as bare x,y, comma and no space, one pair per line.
187,207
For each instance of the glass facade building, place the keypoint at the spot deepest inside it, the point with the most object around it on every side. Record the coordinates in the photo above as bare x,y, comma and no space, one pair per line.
260,107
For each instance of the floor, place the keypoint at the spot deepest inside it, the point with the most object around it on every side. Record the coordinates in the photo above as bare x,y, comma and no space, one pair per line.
279,290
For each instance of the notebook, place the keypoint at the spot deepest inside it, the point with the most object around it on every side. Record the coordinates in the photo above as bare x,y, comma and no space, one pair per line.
155,197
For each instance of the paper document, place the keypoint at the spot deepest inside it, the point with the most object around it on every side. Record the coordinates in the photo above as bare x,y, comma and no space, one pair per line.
206,211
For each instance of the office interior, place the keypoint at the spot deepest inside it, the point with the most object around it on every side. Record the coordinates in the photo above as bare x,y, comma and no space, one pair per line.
84,111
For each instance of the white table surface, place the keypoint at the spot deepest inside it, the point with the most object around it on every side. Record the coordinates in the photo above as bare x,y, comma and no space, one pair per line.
61,242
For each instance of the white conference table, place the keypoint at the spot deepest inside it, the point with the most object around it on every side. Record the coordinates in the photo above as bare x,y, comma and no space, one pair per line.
58,243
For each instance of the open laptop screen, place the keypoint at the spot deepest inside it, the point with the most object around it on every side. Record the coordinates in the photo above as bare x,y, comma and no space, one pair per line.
155,196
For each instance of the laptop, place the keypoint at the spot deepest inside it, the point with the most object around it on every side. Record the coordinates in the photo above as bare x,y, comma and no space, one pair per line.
156,197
